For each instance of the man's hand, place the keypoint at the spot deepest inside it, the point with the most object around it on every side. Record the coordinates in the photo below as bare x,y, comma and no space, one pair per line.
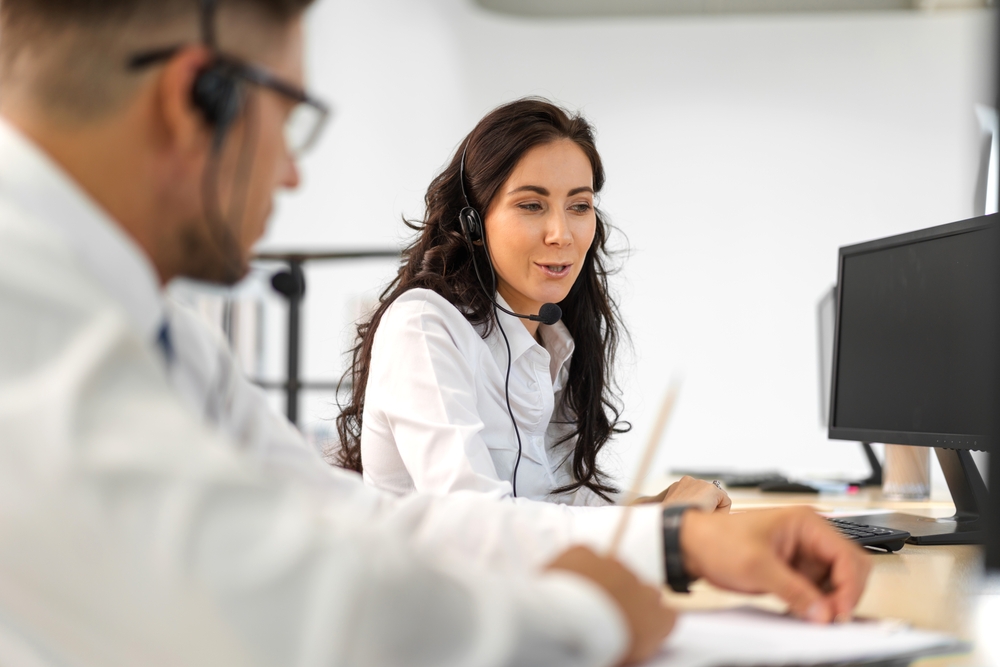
791,552
649,620
690,491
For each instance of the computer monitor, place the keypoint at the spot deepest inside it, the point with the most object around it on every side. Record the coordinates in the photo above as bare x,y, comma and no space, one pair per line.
826,312
914,358
993,516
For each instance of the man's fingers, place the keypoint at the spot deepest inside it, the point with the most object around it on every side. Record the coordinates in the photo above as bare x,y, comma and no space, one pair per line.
804,599
848,576
848,565
792,553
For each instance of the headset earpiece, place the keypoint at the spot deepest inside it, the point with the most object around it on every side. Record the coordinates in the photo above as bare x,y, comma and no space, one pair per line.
472,225
468,217
219,96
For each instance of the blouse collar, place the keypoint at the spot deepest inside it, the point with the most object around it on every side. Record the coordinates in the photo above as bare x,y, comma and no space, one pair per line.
558,343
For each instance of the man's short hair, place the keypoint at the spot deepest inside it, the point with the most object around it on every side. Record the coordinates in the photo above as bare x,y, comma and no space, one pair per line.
70,55
99,11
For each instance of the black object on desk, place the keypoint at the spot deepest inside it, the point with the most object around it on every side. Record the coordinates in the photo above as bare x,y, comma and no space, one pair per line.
915,358
787,486
870,536
737,480
770,481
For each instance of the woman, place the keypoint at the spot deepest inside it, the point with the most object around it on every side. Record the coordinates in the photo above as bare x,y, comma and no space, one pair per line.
451,390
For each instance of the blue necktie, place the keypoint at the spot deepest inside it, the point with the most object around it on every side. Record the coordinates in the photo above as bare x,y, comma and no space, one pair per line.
166,345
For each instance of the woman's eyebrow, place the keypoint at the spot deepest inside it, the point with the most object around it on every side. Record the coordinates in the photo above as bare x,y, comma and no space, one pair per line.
530,188
545,193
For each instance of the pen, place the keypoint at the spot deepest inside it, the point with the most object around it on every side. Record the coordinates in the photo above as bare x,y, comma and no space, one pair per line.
647,460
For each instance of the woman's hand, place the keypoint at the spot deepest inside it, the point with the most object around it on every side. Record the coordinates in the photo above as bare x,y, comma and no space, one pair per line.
690,491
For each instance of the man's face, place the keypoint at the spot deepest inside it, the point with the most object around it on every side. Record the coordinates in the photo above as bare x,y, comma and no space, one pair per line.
241,180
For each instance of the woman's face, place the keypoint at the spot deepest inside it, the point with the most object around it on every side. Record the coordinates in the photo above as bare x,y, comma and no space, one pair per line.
541,224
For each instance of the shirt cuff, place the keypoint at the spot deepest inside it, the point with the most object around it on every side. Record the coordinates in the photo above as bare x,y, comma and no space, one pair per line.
641,548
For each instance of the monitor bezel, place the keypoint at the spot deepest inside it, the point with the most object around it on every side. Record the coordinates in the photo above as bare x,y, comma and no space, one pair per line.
946,440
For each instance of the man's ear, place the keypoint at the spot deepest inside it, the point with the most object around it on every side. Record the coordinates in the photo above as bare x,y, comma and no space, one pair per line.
184,126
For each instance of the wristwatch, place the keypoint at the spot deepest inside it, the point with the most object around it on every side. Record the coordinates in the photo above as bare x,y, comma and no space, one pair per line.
677,577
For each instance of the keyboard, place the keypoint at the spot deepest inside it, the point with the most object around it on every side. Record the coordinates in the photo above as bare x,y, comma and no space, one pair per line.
871,536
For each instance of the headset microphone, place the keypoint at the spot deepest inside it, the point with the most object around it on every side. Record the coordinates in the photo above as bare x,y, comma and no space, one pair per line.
474,232
549,313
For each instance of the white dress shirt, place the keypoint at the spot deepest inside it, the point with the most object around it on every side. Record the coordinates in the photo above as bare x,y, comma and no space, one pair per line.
436,420
134,533
507,535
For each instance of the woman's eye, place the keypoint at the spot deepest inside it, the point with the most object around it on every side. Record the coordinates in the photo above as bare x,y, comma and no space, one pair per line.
530,206
581,208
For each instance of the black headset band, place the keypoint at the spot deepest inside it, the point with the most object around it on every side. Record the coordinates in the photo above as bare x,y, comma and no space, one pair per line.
208,8
461,176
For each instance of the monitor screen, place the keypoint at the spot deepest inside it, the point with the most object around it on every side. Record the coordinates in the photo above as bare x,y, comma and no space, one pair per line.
916,332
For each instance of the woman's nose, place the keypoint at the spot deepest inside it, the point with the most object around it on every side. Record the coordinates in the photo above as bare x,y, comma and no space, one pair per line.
557,230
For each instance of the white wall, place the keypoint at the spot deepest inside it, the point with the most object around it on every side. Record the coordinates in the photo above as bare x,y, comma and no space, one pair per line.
740,151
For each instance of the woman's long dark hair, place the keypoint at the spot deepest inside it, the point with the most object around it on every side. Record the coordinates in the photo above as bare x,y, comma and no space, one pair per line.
440,259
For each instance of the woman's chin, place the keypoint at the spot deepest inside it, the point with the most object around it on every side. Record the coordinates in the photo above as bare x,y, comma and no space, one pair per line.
553,290
550,296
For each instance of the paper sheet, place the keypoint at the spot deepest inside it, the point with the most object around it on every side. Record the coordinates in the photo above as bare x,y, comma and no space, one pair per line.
747,636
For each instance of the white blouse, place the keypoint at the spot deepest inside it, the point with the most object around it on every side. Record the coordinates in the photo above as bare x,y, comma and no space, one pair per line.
435,418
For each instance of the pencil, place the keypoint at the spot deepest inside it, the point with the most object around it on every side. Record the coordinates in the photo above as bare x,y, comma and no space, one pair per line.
666,408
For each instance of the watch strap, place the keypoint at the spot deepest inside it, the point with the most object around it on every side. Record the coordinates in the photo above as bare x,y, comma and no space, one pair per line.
676,575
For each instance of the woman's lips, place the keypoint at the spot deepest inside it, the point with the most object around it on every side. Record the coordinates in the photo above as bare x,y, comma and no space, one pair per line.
555,270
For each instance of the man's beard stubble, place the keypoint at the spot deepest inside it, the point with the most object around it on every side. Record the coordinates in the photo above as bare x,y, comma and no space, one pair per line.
211,253
211,249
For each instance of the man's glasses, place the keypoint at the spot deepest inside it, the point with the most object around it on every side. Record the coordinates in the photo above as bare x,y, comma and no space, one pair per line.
307,118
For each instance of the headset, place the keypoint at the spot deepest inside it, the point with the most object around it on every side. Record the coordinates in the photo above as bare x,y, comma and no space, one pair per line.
475,233
219,96
217,92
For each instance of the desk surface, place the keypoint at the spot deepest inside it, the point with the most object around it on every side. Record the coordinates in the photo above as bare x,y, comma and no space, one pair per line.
926,586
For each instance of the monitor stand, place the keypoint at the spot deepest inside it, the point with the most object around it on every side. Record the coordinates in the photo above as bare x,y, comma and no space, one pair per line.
875,478
968,490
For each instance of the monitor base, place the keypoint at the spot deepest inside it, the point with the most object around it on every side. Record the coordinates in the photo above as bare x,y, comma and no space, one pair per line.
971,497
927,530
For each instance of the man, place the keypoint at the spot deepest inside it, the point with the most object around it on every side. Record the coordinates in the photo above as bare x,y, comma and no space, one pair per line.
143,140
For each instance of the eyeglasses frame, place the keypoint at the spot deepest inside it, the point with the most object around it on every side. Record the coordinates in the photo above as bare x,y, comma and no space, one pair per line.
250,73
